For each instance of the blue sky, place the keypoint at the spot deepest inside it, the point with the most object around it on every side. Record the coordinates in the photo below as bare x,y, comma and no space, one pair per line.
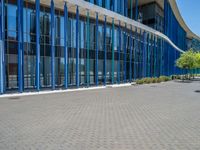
190,10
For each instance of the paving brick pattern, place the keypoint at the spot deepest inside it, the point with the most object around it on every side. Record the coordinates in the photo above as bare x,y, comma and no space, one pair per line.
148,117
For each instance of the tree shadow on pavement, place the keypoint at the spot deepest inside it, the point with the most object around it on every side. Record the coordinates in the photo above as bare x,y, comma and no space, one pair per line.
187,81
197,91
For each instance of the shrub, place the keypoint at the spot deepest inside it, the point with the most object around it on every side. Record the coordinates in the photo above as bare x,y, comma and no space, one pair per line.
153,80
164,78
147,80
158,80
140,81
144,80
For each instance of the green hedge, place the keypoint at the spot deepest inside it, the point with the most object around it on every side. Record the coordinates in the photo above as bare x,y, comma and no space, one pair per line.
153,80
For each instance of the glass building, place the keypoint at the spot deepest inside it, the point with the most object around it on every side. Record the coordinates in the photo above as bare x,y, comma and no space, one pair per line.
81,43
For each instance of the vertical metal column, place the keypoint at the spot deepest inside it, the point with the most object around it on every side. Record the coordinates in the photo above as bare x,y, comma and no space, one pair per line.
37,3
119,50
65,44
122,7
125,36
1,48
113,4
97,53
159,51
165,16
2,59
52,45
105,50
1,68
168,34
144,54
155,60
126,7
113,54
174,39
136,10
176,71
131,9
165,47
88,48
170,48
150,55
77,47
130,57
20,44
135,58
161,57
140,54
148,51
97,1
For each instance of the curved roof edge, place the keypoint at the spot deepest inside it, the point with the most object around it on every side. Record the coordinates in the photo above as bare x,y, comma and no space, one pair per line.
104,12
182,23
86,6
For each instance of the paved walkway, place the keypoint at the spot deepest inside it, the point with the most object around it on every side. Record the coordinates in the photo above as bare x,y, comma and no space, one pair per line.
148,117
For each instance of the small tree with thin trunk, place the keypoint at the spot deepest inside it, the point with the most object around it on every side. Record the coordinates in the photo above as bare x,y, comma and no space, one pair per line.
187,60
198,60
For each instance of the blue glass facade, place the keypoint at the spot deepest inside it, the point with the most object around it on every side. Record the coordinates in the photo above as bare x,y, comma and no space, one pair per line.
46,47
178,36
118,6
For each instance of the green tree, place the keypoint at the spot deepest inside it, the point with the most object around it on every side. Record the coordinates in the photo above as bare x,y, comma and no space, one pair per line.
198,60
187,61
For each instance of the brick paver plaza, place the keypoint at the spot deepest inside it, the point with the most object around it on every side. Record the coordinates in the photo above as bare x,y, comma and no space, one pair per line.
148,117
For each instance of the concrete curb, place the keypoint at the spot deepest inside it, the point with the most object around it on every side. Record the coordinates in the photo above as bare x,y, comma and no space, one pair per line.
63,91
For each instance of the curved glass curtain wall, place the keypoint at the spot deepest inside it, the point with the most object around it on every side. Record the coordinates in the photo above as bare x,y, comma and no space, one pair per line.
137,54
118,6
29,28
177,35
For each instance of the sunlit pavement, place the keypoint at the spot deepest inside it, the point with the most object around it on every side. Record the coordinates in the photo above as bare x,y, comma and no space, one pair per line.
162,116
